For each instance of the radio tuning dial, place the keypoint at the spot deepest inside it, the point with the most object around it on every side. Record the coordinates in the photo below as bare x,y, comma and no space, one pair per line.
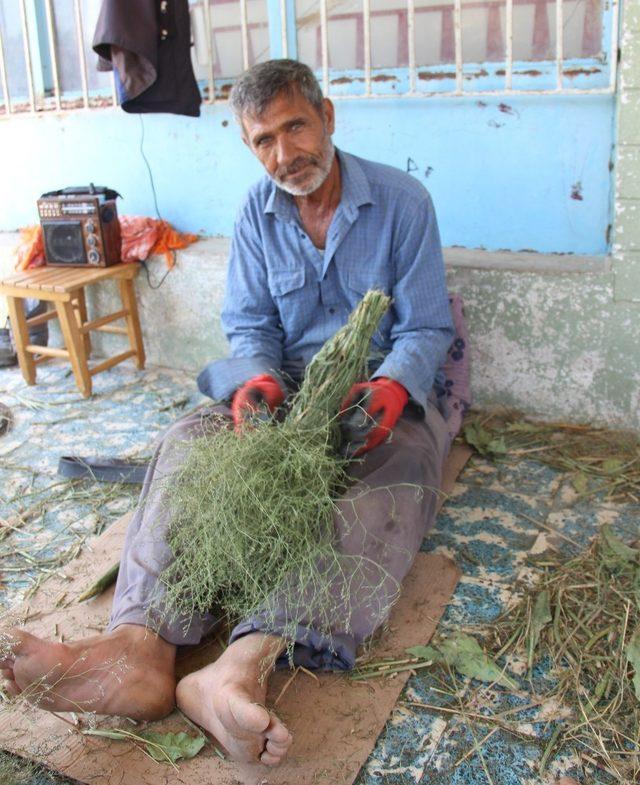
94,257
91,240
91,227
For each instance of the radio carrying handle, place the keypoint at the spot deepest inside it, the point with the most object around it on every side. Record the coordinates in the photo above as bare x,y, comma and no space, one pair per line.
84,190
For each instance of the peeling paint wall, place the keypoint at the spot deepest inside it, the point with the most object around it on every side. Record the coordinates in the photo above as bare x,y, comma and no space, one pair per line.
527,172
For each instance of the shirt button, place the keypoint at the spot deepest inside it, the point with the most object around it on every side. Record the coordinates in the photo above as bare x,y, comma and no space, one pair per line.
332,310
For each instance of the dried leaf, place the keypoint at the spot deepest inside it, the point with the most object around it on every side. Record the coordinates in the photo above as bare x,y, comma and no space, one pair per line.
539,619
633,655
465,654
616,547
173,745
483,441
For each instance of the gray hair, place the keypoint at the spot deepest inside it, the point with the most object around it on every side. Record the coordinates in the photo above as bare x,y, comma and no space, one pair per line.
258,86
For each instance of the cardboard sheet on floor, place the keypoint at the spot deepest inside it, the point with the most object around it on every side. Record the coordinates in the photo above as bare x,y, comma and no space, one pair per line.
335,721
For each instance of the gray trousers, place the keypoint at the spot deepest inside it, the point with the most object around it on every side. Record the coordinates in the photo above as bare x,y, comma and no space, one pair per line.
383,516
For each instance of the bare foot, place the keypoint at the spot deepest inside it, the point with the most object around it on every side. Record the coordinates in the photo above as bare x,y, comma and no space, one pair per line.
127,672
227,699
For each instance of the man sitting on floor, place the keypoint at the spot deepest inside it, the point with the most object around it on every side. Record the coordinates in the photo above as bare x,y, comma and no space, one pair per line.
311,238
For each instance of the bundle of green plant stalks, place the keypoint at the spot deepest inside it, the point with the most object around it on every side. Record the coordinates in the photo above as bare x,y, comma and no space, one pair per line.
252,512
584,616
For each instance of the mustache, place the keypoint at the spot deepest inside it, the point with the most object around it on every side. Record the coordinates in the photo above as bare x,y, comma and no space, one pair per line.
295,166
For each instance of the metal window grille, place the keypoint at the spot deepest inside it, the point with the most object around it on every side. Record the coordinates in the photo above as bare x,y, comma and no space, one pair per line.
231,35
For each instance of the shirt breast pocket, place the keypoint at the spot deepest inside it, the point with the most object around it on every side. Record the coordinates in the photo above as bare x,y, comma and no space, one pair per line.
292,298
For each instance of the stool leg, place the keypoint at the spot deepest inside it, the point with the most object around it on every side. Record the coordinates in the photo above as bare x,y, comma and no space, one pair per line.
82,319
21,339
75,347
128,295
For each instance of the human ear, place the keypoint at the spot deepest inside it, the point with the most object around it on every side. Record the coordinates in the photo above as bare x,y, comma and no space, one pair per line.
329,113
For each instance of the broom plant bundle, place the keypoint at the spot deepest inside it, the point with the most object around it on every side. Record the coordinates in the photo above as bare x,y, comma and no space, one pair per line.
252,512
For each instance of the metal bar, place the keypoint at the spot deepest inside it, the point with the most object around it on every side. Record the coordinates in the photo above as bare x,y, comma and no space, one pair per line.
114,89
54,55
283,28
366,24
27,54
81,53
324,38
508,76
209,33
245,34
457,27
559,43
4,80
411,40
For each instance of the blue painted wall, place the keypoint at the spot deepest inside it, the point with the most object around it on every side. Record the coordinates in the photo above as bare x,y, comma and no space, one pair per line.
527,172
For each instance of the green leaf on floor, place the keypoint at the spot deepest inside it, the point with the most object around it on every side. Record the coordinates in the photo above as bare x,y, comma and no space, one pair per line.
618,549
612,465
633,655
172,745
580,482
465,655
540,617
483,441
163,747
424,653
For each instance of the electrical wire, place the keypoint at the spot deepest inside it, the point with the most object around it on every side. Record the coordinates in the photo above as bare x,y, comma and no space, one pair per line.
155,202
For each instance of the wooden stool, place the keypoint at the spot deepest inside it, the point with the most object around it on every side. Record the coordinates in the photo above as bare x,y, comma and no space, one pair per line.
64,287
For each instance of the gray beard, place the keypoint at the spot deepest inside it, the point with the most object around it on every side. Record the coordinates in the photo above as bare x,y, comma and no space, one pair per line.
324,167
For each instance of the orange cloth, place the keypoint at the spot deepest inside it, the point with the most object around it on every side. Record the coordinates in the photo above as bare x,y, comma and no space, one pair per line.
141,238
30,251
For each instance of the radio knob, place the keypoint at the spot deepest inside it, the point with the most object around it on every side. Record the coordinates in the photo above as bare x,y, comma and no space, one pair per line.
94,257
91,240
91,227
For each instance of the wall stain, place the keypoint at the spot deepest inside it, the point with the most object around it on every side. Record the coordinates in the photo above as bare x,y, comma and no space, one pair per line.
607,234
225,123
428,76
506,109
530,72
481,104
573,72
576,191
495,124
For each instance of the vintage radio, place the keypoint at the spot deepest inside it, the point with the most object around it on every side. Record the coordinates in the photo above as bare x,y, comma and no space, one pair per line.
80,227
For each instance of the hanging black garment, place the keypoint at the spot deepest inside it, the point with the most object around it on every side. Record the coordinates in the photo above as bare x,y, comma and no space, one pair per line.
148,45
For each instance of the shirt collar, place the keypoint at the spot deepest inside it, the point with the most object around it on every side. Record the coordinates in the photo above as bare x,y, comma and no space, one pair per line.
356,190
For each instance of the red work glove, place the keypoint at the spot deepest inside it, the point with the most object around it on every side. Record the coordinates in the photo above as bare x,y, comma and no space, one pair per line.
261,394
368,413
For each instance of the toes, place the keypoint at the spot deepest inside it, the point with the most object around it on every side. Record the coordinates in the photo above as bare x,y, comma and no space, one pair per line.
278,749
13,642
278,732
248,715
11,688
270,760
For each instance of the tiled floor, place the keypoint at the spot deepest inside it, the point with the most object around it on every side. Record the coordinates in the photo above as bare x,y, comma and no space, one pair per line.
493,519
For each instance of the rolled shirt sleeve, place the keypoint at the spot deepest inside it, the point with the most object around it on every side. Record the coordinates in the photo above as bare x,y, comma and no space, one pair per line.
249,319
423,327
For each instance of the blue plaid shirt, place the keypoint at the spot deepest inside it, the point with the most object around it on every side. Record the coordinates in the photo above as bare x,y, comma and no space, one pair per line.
285,297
